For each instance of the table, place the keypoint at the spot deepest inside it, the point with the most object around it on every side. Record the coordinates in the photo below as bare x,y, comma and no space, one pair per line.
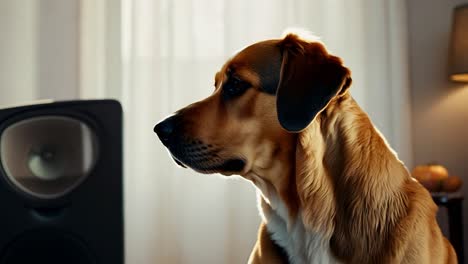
453,203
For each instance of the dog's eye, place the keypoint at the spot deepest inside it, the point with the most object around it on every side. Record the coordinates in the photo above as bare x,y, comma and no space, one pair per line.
234,87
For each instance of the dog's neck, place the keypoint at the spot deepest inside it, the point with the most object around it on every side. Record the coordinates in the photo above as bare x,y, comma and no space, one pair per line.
342,183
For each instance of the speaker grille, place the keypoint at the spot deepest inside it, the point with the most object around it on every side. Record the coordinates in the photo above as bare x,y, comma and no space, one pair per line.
48,156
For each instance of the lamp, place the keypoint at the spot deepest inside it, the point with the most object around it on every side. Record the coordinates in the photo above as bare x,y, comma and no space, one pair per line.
459,45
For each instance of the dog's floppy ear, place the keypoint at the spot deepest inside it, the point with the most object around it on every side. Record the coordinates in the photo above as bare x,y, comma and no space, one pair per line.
309,79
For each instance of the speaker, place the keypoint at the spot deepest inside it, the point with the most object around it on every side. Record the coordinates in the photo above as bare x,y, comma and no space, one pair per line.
61,198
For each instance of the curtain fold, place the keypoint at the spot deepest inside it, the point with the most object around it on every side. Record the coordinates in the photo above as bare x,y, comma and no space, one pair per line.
168,52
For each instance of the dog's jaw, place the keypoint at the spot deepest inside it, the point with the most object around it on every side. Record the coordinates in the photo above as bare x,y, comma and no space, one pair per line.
178,162
203,158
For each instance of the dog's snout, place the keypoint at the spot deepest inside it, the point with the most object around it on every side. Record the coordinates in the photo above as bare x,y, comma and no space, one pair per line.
165,129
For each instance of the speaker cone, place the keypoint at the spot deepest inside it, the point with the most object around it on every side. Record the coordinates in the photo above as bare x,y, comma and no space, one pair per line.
48,156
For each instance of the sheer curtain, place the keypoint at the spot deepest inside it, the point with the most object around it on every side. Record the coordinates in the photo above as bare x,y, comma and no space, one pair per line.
157,56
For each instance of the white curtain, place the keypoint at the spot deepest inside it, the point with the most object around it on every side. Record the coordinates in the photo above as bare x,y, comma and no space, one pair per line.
158,56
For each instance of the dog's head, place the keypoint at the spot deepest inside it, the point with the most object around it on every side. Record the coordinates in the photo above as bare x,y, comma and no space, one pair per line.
262,97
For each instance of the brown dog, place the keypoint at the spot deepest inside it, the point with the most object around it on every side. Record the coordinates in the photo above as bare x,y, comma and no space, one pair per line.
331,189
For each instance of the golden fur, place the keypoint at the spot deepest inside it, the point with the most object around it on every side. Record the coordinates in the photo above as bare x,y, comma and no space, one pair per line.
337,176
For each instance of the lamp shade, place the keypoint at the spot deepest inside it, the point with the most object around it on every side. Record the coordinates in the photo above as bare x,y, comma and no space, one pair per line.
459,45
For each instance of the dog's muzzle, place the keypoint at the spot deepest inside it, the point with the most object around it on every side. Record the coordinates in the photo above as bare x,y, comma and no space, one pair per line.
192,152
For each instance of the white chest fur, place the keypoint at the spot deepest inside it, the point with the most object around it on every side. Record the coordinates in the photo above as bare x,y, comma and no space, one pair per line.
302,246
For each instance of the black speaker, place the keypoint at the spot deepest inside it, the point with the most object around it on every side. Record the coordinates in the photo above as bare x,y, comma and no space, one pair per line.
61,197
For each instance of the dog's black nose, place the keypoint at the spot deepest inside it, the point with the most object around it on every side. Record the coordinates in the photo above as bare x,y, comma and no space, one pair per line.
165,129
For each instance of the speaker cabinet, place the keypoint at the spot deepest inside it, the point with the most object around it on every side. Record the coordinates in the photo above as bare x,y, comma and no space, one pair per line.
61,183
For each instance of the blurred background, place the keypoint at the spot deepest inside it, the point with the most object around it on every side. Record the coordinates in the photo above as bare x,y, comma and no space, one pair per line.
156,56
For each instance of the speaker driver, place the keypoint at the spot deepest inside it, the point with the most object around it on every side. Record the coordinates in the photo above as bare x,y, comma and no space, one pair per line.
48,156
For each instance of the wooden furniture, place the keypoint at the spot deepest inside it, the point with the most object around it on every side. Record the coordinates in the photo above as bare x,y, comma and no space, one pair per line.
453,203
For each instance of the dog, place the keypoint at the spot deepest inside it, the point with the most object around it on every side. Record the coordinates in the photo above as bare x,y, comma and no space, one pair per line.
331,190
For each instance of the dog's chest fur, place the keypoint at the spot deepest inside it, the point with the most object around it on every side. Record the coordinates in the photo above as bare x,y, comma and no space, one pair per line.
301,246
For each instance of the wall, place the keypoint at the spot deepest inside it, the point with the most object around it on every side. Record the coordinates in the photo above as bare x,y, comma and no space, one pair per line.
38,50
17,51
439,106
58,49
